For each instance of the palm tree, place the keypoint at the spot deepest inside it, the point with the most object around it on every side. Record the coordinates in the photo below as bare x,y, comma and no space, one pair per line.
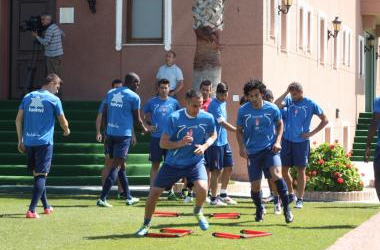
208,25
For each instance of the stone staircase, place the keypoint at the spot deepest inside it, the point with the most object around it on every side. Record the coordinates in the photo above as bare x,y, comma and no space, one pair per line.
78,159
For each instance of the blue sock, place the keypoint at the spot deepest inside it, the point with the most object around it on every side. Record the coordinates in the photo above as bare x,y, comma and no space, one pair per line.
147,222
282,189
44,199
110,180
197,209
123,180
256,198
39,187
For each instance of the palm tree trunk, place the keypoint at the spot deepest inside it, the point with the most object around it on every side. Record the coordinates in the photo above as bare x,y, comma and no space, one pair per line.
208,25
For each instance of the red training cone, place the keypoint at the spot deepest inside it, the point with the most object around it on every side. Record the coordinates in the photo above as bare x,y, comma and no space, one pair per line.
226,235
175,230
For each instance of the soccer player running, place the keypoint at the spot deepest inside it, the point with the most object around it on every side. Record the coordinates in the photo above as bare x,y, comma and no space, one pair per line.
219,155
35,131
187,191
188,133
156,111
259,131
299,111
121,110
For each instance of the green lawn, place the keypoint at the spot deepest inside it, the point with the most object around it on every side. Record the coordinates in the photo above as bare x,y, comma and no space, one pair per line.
78,224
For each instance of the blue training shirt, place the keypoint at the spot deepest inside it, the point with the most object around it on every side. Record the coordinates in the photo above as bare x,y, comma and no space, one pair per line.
376,109
178,125
258,125
219,112
121,102
101,107
298,118
160,110
40,109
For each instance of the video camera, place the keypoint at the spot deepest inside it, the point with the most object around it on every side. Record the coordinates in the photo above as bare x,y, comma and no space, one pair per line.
32,24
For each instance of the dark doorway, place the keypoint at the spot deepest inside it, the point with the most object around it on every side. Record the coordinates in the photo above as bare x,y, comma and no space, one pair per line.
27,60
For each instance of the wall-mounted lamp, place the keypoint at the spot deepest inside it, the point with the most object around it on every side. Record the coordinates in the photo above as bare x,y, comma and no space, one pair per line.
336,25
92,5
371,43
287,4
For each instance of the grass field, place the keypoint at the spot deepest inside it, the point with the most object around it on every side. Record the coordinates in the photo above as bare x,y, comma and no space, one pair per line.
78,224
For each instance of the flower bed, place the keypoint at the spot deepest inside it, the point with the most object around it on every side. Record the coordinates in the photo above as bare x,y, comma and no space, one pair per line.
330,169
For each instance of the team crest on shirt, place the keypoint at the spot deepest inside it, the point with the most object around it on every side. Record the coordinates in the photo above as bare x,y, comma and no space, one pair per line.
163,109
117,100
190,129
298,110
36,105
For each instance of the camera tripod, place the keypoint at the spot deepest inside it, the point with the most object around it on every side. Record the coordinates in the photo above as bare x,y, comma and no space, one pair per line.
31,70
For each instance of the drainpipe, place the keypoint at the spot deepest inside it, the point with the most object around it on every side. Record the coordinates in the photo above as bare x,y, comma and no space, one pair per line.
119,25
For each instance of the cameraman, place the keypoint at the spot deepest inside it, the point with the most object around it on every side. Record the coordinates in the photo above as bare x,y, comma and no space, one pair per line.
52,41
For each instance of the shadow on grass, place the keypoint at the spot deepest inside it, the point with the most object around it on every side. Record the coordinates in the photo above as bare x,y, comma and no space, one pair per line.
50,196
122,236
12,216
111,237
72,206
350,207
205,206
328,227
212,223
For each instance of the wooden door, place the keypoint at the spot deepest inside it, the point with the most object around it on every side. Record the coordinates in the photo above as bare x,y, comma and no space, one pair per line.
27,60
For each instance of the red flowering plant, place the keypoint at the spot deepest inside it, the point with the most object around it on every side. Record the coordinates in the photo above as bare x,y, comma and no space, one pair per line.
330,169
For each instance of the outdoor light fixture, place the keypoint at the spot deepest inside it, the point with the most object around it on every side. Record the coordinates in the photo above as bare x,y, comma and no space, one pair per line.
287,4
92,5
336,25
371,43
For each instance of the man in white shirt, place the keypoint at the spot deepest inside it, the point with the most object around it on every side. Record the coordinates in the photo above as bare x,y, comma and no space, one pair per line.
171,72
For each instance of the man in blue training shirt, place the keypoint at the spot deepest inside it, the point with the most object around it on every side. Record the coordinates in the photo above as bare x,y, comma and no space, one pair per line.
121,109
185,137
371,133
35,131
219,155
156,111
259,131
296,142
116,83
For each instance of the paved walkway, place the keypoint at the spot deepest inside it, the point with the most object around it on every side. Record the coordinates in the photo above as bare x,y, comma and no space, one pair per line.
364,237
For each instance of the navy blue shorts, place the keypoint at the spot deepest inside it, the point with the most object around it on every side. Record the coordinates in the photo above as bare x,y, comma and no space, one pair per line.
156,153
295,153
261,162
118,146
219,157
266,172
168,175
39,158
